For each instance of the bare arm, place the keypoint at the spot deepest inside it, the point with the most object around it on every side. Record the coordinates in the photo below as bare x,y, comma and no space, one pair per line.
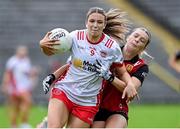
119,84
129,91
60,71
50,79
5,81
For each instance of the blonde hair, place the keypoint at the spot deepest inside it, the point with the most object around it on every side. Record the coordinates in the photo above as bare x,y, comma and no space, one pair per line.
117,25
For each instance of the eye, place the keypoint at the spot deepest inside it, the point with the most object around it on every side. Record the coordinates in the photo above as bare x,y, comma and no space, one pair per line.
91,20
100,22
136,35
143,40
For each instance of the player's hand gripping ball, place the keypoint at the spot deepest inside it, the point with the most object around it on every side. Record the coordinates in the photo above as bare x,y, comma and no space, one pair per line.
64,39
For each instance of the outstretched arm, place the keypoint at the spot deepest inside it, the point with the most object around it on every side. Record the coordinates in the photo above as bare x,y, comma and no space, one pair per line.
49,80
5,81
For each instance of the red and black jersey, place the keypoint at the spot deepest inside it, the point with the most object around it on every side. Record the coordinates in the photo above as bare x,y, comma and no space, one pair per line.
112,98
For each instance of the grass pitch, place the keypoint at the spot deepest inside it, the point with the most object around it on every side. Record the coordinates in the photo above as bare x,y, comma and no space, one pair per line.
140,116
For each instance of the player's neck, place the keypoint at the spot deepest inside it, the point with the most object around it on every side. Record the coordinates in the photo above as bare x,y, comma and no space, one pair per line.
94,39
128,54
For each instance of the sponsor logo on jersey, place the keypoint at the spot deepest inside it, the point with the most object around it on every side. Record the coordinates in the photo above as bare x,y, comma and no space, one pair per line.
78,63
85,65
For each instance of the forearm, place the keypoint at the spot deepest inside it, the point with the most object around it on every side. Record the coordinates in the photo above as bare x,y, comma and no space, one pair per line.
120,85
60,71
6,78
126,78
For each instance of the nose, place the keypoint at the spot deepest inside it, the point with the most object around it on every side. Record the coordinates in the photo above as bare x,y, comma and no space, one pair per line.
137,39
95,24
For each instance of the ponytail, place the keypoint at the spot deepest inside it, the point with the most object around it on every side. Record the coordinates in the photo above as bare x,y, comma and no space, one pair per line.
117,24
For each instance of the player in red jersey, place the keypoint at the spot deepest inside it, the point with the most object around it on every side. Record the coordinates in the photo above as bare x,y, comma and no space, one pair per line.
113,111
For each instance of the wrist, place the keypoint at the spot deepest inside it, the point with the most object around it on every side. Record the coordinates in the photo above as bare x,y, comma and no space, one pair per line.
52,77
111,79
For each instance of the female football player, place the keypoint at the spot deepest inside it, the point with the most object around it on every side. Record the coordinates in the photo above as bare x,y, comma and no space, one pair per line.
113,112
17,84
76,97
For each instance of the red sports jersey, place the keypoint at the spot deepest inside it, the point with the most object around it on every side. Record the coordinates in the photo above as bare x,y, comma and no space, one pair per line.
112,98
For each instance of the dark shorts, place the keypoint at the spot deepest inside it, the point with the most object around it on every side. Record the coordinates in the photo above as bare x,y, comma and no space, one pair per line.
104,114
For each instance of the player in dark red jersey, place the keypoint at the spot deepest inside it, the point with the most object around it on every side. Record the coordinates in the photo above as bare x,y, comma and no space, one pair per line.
113,111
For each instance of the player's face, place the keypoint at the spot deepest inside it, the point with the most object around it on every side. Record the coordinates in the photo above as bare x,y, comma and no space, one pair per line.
95,24
22,52
137,40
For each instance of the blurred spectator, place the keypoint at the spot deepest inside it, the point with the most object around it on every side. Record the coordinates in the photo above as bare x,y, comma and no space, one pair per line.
17,84
174,61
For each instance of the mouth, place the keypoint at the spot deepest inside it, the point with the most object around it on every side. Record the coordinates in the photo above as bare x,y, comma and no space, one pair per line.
134,45
94,30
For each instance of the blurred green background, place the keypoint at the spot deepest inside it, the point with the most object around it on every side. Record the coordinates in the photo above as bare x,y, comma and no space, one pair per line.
140,116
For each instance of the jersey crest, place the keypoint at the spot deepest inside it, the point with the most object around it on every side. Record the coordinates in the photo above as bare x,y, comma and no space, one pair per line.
131,68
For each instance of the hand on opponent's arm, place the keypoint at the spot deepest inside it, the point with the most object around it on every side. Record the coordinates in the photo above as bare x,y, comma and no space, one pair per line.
127,88
104,72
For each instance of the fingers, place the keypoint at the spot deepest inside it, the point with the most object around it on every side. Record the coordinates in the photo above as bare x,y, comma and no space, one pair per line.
124,94
46,88
129,94
47,35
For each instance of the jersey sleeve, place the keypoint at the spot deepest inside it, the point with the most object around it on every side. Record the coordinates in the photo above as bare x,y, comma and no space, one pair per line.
73,36
141,73
118,57
10,64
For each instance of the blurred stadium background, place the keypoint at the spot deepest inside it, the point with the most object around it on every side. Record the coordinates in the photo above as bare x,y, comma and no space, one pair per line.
26,22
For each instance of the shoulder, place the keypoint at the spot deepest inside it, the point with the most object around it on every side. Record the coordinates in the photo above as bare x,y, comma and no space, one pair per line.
78,34
12,59
143,66
111,43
